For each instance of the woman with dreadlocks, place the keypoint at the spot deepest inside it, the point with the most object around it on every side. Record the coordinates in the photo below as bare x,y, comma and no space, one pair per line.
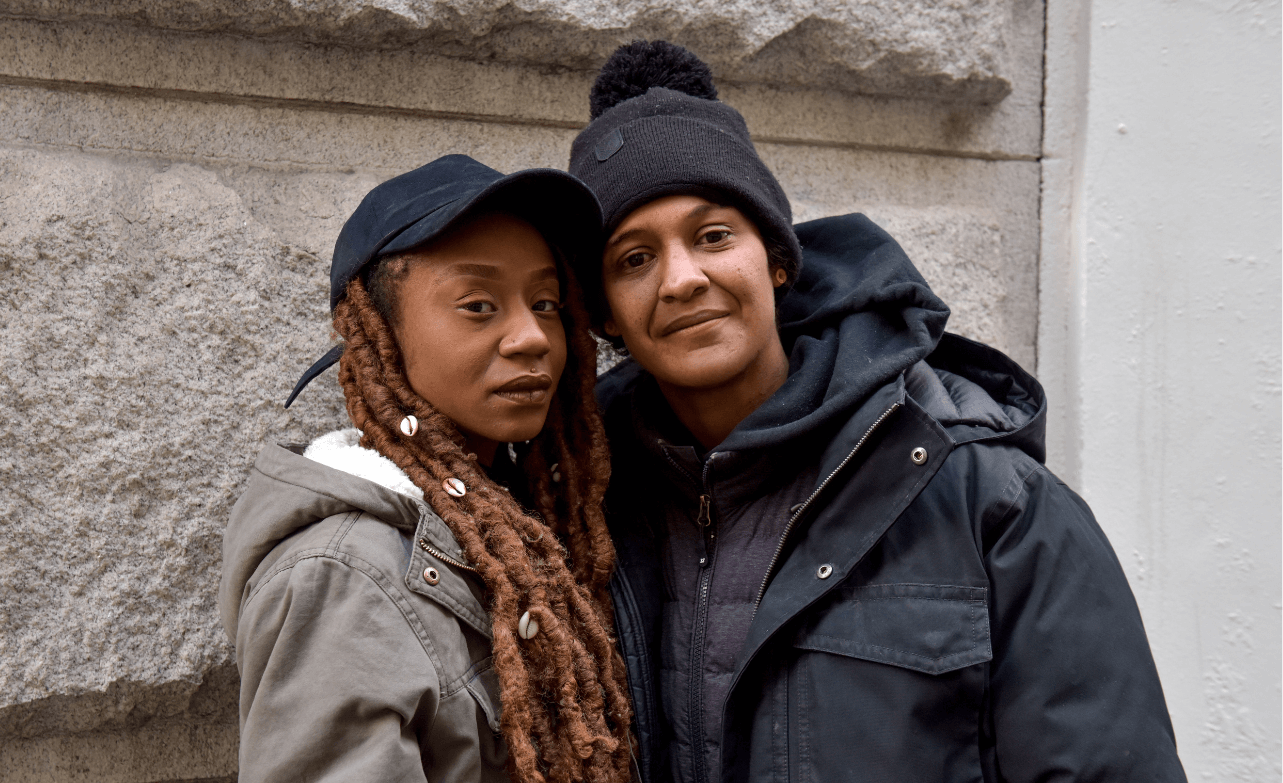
424,597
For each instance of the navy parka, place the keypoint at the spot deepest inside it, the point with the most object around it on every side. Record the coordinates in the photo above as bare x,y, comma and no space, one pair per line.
942,608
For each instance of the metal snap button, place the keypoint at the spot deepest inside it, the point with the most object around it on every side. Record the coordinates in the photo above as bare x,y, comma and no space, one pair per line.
919,456
431,575
824,571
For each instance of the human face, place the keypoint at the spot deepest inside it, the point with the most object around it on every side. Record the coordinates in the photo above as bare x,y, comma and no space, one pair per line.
480,331
691,293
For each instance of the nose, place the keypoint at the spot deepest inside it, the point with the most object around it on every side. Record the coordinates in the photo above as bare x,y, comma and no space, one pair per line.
525,336
682,278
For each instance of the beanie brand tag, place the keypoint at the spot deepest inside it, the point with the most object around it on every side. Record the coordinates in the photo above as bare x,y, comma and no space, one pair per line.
608,146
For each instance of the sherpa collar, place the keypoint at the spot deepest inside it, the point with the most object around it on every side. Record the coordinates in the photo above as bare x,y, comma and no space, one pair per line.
342,450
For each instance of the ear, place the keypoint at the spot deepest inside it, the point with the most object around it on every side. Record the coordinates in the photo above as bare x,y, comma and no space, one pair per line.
778,276
610,328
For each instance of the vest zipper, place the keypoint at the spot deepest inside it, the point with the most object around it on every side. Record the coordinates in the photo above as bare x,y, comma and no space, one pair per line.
770,569
705,521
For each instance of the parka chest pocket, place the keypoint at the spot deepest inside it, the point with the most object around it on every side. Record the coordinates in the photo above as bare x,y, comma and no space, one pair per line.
877,669
928,628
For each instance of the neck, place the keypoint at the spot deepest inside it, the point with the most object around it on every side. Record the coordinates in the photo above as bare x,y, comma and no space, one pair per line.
711,413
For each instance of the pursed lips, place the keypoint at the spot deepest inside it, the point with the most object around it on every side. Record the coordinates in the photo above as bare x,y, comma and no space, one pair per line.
693,319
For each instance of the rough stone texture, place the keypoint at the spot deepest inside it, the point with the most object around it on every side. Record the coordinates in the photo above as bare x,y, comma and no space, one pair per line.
413,83
957,50
970,226
145,314
130,732
168,203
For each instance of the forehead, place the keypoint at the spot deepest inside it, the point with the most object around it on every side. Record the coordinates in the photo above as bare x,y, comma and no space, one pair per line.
490,247
672,211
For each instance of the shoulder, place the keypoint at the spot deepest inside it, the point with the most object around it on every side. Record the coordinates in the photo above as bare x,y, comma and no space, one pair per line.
341,567
354,571
353,539
1014,501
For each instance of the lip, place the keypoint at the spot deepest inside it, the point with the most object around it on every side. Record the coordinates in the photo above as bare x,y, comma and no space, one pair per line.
691,319
526,389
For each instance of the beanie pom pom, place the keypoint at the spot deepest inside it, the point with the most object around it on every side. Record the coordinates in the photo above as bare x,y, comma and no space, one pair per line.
636,67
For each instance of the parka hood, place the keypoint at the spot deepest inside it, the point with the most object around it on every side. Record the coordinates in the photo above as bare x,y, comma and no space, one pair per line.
859,316
289,491
979,393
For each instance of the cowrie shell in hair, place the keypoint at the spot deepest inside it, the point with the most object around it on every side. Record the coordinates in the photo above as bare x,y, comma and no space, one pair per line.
527,626
409,426
454,487
556,475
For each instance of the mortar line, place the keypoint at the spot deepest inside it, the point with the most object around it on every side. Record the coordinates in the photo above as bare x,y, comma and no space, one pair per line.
332,107
347,107
860,146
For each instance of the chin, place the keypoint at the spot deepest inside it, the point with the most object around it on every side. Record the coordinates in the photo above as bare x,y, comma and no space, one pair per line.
698,374
518,430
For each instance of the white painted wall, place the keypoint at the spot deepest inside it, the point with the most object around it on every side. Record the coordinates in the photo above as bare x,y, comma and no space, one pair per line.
1160,339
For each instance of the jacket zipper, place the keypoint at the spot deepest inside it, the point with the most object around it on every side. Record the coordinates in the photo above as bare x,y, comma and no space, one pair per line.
770,569
443,557
705,522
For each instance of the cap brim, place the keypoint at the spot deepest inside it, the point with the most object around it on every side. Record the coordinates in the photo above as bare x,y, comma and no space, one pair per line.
559,206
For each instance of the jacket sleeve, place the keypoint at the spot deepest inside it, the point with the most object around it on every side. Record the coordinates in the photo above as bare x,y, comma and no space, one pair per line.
326,692
1073,692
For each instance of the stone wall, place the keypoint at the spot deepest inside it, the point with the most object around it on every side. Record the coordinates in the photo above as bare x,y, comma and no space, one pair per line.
173,176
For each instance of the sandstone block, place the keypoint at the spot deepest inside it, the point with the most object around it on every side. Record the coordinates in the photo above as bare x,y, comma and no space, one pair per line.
954,51
970,226
143,311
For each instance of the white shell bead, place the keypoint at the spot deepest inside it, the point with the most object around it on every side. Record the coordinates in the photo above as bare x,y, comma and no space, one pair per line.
454,487
527,626
409,426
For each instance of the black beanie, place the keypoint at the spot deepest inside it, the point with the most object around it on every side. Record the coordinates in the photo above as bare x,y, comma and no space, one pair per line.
659,130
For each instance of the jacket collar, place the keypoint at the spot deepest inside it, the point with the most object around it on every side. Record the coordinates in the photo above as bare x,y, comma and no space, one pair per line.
737,475
404,508
288,491
867,467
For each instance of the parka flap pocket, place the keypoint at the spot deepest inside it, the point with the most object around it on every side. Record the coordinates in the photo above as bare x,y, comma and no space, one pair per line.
929,628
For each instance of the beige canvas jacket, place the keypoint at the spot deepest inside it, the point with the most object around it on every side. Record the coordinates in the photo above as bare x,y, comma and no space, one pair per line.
353,666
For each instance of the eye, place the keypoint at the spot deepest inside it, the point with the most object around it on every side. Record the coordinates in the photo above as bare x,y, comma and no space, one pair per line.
715,236
546,306
481,307
634,260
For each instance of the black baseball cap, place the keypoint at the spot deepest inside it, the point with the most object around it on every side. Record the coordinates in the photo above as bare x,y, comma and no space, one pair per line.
415,208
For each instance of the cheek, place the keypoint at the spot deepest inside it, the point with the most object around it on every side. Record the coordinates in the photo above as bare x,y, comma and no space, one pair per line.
442,365
629,304
756,288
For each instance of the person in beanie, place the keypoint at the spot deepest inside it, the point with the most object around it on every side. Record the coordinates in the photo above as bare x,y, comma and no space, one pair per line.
840,556
424,596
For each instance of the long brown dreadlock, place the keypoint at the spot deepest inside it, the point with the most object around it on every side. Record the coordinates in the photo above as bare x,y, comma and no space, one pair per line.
566,714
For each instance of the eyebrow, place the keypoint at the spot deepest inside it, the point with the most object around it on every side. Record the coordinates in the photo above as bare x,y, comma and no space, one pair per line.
492,272
486,271
696,212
